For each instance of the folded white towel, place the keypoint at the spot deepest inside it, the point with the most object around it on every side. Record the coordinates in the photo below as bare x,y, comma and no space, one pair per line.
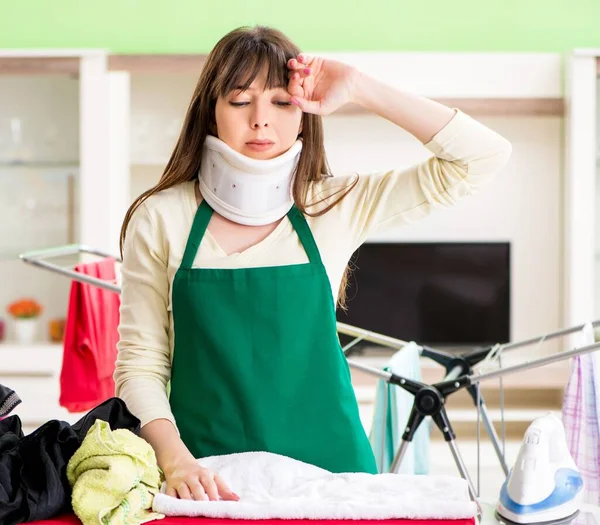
271,486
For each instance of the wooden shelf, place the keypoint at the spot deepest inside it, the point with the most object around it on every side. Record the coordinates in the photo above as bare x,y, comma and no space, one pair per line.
192,64
508,107
39,65
179,64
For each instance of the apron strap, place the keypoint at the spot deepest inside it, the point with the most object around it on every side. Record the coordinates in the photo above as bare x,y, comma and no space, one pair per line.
306,237
201,220
204,214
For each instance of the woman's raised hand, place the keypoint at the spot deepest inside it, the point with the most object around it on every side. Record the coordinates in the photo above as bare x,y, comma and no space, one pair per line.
318,85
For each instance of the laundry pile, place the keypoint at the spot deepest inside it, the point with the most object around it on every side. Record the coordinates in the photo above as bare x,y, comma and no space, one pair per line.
33,468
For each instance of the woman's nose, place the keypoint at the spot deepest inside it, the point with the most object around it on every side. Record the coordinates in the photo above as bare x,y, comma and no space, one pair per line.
260,117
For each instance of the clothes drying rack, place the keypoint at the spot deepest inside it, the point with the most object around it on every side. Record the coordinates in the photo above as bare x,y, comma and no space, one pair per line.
429,399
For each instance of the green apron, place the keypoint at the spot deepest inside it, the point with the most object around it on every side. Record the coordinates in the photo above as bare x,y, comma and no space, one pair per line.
257,363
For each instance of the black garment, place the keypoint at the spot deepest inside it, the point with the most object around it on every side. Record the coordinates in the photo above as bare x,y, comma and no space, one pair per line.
33,468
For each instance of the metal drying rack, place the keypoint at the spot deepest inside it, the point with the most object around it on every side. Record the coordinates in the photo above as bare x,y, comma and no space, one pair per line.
429,400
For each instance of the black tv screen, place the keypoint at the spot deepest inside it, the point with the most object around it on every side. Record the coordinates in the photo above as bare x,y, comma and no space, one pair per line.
444,294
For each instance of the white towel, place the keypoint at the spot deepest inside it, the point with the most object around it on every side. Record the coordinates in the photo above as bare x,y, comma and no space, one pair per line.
271,486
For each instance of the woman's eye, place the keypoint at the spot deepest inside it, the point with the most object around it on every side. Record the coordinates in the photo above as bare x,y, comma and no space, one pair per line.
279,103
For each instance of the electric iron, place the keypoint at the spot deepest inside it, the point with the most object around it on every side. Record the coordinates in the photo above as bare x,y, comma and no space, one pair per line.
544,486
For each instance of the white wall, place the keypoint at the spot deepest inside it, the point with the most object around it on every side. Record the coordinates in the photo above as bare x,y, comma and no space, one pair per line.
522,206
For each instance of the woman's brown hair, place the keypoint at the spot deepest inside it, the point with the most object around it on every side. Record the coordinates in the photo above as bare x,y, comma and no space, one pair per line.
236,60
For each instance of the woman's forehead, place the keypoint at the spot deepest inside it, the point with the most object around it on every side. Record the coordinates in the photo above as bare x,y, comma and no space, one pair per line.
261,75
259,84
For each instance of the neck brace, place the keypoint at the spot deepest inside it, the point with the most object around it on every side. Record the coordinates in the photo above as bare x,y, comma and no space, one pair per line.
245,190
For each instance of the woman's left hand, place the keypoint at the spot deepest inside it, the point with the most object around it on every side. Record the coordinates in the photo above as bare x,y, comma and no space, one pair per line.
320,86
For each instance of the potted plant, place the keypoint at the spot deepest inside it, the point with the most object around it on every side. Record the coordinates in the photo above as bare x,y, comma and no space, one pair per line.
25,313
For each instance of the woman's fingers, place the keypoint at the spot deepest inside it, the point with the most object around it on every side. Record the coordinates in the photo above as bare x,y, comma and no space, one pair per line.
197,490
298,72
305,59
204,487
308,106
300,67
183,491
295,85
224,491
210,487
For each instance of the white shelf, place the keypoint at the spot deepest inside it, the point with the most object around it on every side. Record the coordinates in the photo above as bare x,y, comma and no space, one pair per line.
40,164
58,170
38,359
150,163
13,346
12,253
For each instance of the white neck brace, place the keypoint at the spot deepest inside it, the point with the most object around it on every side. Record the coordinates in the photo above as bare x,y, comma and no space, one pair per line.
245,190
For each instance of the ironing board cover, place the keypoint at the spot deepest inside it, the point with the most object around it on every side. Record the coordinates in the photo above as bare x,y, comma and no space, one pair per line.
72,520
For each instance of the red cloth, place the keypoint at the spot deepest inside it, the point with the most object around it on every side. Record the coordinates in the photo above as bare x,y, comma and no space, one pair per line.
72,520
91,336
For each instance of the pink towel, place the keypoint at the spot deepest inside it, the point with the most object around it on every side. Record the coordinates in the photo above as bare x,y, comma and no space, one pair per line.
91,336
580,417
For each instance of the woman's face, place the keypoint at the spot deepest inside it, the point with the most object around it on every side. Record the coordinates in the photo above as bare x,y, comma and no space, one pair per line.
258,123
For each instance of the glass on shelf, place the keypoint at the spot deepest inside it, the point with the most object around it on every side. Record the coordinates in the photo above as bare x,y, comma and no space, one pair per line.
38,208
35,144
41,148
13,148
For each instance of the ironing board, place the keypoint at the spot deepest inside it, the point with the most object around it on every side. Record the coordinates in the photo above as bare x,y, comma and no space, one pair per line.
72,520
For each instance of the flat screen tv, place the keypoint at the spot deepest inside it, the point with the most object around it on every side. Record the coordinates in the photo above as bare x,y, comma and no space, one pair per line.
438,294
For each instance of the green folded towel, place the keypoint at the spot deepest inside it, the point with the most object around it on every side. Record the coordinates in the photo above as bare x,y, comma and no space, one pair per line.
114,477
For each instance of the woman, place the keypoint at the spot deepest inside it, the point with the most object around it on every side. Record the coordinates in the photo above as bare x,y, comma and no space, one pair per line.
234,262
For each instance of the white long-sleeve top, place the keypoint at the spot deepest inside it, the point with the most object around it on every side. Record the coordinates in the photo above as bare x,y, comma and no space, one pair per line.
466,154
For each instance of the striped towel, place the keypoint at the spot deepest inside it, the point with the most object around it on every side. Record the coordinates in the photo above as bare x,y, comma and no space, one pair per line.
581,418
8,401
